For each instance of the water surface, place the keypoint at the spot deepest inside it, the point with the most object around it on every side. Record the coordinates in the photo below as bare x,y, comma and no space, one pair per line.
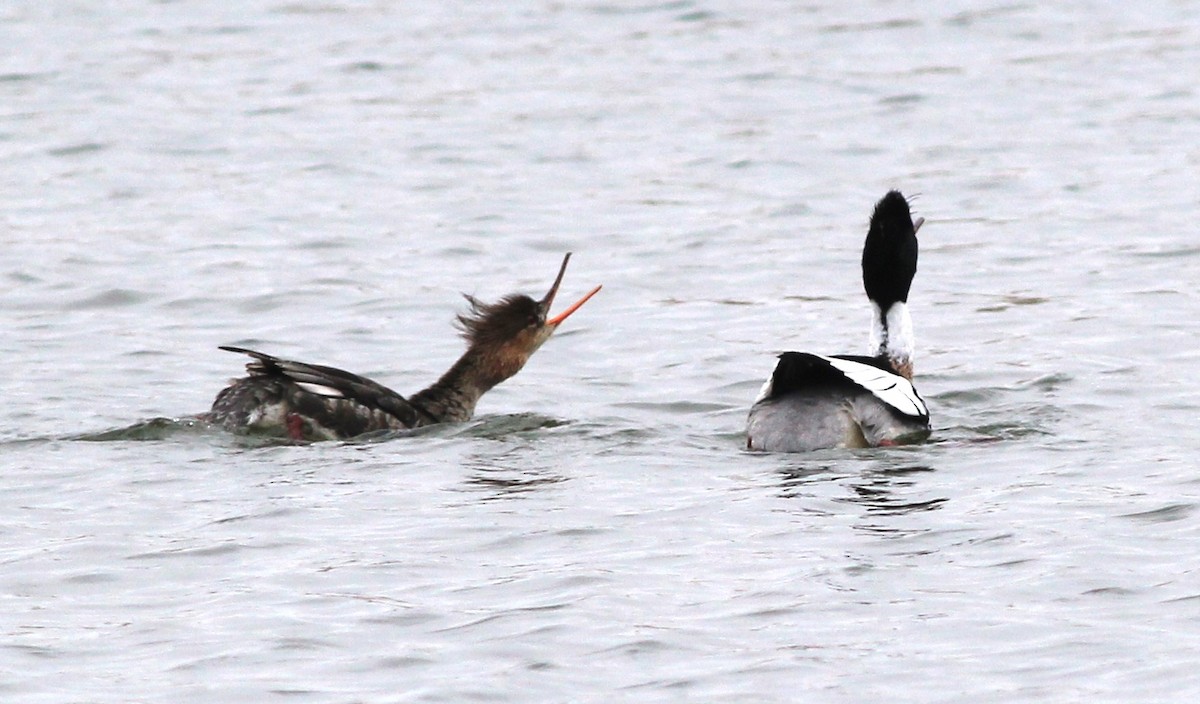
321,180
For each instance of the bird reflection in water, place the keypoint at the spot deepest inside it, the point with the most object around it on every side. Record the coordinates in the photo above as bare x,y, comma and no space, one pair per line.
882,492
508,475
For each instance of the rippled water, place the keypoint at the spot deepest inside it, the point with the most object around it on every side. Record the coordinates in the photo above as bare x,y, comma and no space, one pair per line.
321,180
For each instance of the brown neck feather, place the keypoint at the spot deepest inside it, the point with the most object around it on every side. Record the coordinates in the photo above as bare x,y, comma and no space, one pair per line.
453,396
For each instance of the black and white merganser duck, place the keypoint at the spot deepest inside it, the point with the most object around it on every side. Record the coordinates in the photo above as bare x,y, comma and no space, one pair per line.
312,402
813,401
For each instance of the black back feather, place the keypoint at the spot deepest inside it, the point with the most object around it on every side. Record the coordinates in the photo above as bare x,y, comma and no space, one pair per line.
351,387
801,371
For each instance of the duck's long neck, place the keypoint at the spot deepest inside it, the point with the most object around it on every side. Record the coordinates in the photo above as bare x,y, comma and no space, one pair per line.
453,396
892,336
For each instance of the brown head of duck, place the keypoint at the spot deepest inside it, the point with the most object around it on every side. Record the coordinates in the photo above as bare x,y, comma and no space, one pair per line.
501,337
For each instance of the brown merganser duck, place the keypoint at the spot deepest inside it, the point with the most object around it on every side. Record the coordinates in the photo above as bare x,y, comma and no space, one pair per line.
312,402
813,401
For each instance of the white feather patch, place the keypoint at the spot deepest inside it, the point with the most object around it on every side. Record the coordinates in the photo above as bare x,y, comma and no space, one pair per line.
878,332
766,390
892,389
900,344
320,389
892,334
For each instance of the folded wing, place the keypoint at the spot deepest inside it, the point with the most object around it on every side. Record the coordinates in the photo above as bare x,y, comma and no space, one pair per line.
331,398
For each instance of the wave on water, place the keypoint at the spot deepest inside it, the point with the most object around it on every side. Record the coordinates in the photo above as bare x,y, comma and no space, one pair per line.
996,413
160,429
502,426
152,429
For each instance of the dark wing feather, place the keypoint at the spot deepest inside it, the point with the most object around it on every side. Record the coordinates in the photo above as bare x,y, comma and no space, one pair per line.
331,382
801,371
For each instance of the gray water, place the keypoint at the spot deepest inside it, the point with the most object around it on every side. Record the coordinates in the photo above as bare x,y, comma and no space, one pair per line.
322,179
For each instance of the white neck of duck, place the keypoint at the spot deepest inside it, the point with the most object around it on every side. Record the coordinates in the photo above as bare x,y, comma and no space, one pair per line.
892,336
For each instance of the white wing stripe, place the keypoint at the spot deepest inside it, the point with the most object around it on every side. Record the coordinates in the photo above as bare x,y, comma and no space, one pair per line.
898,394
320,389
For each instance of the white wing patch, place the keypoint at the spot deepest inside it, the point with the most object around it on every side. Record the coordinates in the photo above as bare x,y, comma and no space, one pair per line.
320,389
766,389
892,389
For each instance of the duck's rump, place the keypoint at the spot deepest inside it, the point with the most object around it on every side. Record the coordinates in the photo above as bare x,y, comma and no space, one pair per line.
307,401
818,418
279,406
813,402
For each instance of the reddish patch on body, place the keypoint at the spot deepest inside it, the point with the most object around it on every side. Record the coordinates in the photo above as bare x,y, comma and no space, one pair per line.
888,443
295,426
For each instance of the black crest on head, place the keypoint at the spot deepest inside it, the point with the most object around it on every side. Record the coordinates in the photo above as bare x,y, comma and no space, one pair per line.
889,259
496,323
